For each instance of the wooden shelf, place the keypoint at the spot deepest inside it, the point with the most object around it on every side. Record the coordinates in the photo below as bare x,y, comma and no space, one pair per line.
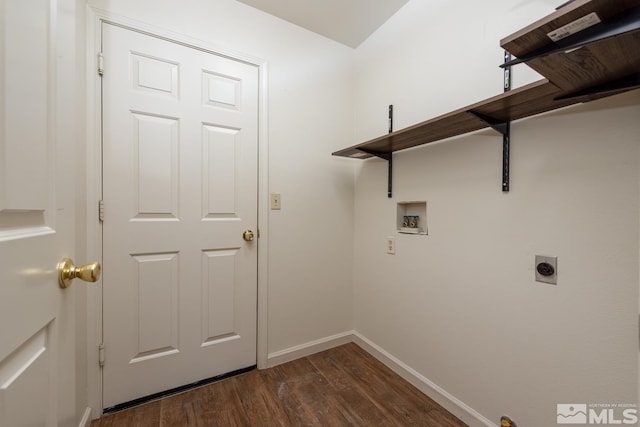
597,69
591,65
526,101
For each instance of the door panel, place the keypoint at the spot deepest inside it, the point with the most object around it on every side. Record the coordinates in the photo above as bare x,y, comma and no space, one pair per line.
25,378
155,141
157,294
180,187
220,163
27,48
219,279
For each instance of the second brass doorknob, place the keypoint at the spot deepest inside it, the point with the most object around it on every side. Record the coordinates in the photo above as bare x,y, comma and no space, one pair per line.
248,235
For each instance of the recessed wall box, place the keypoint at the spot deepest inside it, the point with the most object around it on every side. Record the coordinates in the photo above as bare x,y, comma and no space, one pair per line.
411,217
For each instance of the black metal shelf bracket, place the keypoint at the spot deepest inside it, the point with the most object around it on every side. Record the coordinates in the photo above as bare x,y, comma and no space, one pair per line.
502,127
386,156
499,126
389,158
506,135
506,158
625,22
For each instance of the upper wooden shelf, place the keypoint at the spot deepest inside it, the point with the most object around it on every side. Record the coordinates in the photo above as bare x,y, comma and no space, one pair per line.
613,57
608,62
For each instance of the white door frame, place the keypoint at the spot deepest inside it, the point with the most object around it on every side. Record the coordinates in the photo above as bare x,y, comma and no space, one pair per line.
95,19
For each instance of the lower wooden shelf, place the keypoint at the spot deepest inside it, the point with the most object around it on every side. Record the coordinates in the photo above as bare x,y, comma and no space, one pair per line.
534,98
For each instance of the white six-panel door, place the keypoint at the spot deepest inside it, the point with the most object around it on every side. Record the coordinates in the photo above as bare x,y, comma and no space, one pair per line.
180,155
37,187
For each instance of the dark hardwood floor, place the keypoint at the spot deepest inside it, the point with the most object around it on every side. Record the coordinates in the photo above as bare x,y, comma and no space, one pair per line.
344,386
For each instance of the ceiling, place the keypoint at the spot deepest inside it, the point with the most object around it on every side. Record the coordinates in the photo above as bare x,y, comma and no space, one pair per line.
349,22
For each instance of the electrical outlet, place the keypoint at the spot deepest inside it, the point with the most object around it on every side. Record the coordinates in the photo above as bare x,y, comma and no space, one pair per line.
391,245
546,269
275,201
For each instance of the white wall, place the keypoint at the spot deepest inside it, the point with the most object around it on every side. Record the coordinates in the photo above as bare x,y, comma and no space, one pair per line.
461,306
309,116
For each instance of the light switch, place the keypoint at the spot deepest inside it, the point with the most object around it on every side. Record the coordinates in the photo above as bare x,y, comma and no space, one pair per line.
275,201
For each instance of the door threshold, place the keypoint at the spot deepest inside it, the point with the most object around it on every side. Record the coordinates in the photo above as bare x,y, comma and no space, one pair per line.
173,391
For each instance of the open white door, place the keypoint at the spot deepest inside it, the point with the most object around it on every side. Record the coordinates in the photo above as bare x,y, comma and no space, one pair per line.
37,172
180,160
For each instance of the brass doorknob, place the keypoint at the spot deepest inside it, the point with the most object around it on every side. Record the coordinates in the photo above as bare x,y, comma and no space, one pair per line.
67,272
247,235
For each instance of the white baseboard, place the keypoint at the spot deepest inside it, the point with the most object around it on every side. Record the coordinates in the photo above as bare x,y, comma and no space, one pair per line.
441,396
307,349
86,418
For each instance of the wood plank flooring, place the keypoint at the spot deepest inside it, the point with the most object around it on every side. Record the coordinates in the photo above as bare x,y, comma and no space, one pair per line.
344,386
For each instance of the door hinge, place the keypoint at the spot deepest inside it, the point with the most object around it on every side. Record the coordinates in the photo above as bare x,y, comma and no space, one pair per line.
100,64
101,210
101,355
